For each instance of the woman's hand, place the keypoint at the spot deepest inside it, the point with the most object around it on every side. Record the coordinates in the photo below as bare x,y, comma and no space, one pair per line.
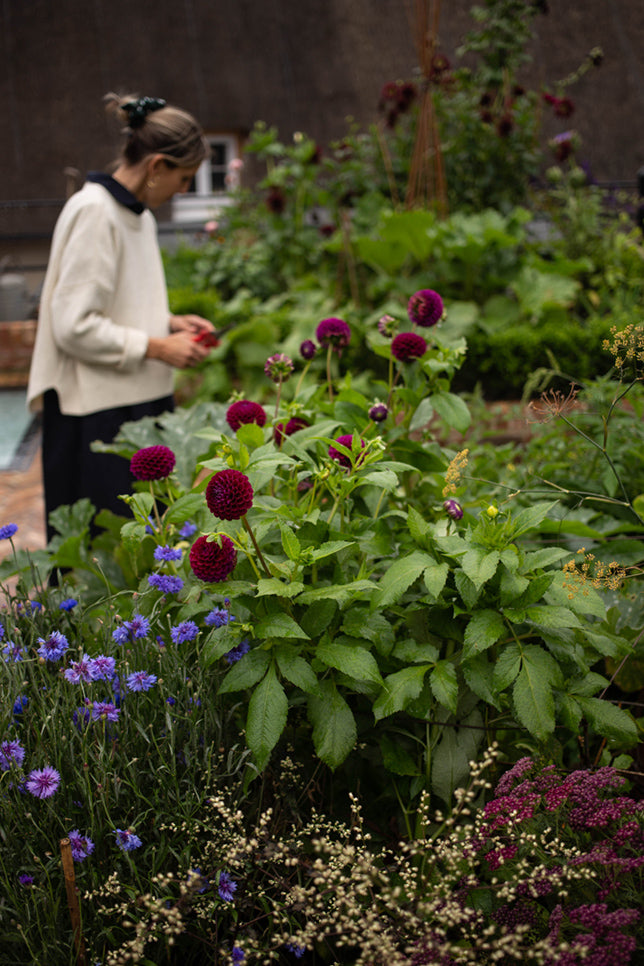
178,349
194,324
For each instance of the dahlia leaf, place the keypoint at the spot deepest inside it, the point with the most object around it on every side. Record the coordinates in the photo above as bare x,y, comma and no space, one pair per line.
399,577
482,631
267,712
354,661
251,435
334,727
245,674
384,479
551,617
343,593
506,667
327,549
480,565
400,689
269,586
452,756
185,508
418,527
278,625
290,543
529,518
296,669
534,700
435,578
452,409
478,674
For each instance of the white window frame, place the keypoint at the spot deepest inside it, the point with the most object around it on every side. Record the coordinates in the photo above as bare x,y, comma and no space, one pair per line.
204,203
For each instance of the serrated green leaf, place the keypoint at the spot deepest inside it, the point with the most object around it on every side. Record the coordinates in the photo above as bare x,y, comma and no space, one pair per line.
551,617
435,577
399,577
342,593
538,559
290,543
418,527
356,662
530,517
512,586
400,689
507,666
608,720
186,507
483,630
383,479
410,651
534,701
251,435
444,685
318,616
279,626
396,759
480,565
422,415
329,548
246,672
296,669
369,627
334,727
452,756
569,711
218,643
478,677
267,712
467,590
274,587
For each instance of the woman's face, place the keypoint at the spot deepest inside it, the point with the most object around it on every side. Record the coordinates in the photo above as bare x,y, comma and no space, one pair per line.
166,182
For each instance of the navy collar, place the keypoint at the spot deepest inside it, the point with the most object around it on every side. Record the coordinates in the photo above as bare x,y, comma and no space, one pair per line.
118,191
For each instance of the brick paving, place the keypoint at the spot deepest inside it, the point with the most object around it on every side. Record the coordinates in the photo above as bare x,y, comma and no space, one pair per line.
22,502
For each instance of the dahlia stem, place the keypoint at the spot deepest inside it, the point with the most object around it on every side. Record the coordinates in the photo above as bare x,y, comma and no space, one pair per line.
154,504
257,550
279,396
329,351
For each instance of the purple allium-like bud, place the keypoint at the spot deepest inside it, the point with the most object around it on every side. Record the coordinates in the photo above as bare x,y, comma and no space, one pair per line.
453,509
152,463
215,561
245,411
308,349
340,457
333,332
408,345
278,367
229,495
425,308
387,325
378,412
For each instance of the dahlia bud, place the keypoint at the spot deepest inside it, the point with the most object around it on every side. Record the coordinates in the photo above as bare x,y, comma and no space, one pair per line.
453,509
378,412
308,349
387,325
492,511
278,367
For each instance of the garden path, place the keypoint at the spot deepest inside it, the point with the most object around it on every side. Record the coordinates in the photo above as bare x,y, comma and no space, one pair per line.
22,501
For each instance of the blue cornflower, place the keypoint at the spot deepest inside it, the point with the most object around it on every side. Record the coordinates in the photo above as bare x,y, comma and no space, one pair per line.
82,670
186,631
35,605
226,887
238,955
104,668
166,583
105,710
120,635
26,880
43,782
188,530
168,553
82,845
138,627
171,701
13,652
127,841
140,681
19,706
8,530
1,632
11,753
218,616
236,653
53,647
81,716
68,604
297,951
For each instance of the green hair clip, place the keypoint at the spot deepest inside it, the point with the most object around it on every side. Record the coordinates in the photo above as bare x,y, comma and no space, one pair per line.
137,111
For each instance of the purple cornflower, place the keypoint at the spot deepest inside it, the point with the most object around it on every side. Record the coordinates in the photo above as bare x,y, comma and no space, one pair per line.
186,631
226,887
127,841
26,880
453,509
166,583
120,635
218,616
105,710
238,955
236,653
188,530
140,681
11,753
82,670
19,706
68,604
104,668
333,332
308,349
137,627
1,632
53,647
8,530
278,367
13,652
168,553
82,845
43,782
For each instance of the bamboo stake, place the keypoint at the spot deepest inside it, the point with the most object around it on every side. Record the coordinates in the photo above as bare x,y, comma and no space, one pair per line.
72,900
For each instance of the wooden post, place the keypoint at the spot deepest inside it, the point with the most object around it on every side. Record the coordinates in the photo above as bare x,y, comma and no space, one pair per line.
72,900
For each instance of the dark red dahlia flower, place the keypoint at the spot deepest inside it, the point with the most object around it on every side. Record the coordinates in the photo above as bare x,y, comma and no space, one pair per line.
245,411
425,308
408,345
293,425
229,495
215,561
334,332
340,457
152,463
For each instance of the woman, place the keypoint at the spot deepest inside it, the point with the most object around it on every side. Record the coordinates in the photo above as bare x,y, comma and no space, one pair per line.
106,344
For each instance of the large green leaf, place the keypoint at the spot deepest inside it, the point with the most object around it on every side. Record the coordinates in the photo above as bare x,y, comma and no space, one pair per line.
483,630
480,565
354,661
532,692
295,668
444,684
399,577
342,593
267,711
452,755
452,409
246,672
334,727
609,720
400,689
278,626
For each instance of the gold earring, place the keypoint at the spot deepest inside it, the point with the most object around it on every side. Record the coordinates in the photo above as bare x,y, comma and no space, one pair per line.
150,184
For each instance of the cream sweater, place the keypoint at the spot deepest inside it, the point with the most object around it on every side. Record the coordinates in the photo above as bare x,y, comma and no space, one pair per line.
103,296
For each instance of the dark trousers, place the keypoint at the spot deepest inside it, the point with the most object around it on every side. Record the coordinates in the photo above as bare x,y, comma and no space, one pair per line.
72,471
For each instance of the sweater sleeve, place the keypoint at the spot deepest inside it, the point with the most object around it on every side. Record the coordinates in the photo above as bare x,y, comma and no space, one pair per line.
81,297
